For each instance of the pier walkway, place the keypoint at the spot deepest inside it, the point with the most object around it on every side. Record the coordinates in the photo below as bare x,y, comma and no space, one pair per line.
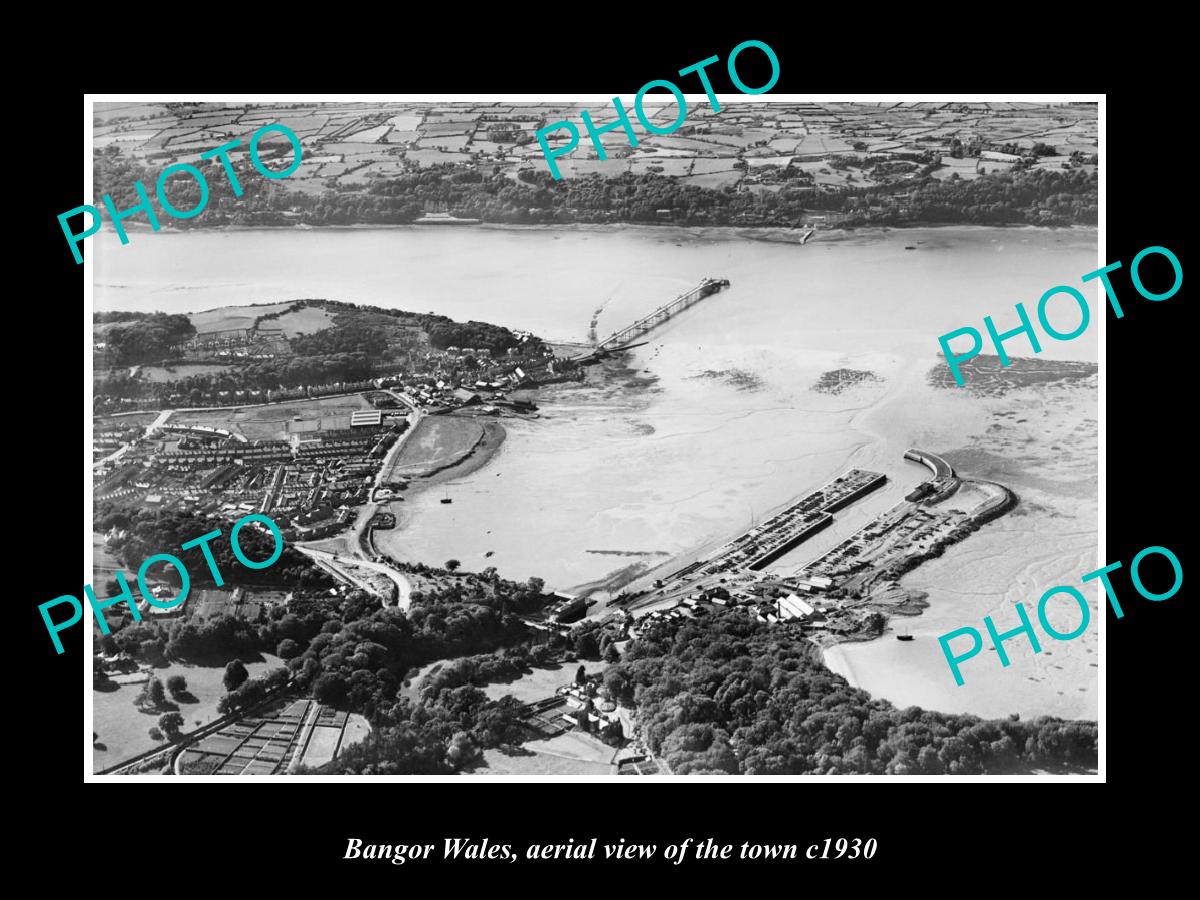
664,312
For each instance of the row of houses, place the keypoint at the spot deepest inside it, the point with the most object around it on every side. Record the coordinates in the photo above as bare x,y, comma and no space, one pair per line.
322,390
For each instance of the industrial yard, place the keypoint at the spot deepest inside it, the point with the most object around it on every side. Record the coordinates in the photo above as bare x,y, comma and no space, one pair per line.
847,591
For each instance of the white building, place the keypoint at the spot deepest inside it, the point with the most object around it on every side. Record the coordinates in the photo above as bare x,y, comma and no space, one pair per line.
792,607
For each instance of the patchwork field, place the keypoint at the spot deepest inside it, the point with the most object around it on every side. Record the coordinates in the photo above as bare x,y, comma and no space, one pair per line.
352,145
273,740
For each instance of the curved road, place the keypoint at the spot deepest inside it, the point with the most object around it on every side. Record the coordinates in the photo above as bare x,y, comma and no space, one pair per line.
360,558
339,563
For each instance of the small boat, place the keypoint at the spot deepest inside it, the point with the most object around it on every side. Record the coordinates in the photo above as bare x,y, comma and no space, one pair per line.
446,500
904,637
910,247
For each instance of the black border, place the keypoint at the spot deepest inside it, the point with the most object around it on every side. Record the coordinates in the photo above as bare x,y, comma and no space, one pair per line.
1148,437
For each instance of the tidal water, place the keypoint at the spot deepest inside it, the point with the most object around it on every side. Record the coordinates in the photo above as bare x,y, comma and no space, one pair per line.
715,422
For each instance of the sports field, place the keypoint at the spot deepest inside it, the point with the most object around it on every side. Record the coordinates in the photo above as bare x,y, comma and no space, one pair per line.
278,421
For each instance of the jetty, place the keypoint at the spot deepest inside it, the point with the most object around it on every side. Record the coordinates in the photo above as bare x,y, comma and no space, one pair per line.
667,311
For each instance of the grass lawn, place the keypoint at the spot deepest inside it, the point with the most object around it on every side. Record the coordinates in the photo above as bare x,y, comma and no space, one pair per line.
542,683
573,753
123,729
437,442
104,564
356,730
321,744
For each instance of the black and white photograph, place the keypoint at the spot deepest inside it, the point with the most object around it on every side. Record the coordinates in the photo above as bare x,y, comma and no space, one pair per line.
733,436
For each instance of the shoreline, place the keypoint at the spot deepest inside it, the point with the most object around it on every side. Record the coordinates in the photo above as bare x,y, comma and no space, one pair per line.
474,458
766,233
481,452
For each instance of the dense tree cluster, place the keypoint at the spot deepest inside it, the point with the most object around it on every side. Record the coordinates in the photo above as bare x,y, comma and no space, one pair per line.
442,734
252,691
733,695
215,637
343,337
358,659
170,724
261,375
471,334
1033,196
235,675
146,532
141,337
108,317
116,174
486,668
153,694
1026,197
361,659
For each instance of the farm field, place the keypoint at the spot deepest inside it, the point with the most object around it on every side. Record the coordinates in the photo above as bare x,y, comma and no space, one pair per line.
966,169
667,165
352,145
302,321
123,729
230,317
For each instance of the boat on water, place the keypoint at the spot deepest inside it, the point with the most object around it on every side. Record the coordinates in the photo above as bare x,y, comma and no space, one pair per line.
904,637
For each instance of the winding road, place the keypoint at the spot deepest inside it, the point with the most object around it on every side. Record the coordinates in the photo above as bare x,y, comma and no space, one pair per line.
339,566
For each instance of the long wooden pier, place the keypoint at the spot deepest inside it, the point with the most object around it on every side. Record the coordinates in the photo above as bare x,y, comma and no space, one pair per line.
664,312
